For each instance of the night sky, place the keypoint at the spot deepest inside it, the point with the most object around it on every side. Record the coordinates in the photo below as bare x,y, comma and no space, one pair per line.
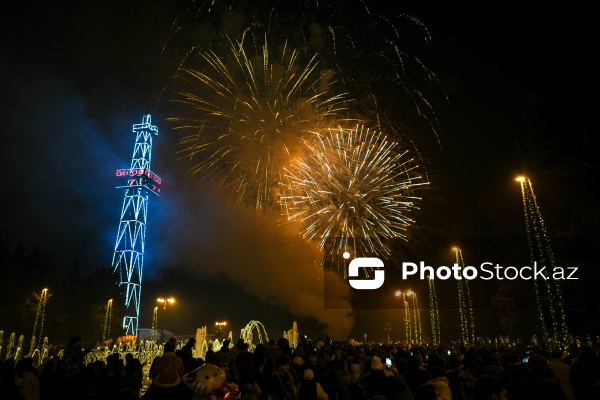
516,97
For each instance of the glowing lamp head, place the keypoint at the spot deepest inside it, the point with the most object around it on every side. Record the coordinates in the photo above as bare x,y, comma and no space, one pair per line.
346,255
455,248
398,293
410,293
520,179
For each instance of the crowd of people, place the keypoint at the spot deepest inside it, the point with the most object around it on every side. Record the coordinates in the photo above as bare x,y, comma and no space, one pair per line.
314,370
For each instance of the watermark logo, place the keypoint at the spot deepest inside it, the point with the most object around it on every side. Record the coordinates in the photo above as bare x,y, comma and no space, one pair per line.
487,271
366,262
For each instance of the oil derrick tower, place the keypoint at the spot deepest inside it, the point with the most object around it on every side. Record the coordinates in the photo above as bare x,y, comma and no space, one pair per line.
137,183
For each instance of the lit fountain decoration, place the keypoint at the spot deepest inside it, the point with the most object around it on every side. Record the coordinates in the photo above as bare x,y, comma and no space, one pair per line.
465,305
1,342
434,312
246,334
248,337
145,351
39,317
292,335
19,348
540,251
10,347
203,345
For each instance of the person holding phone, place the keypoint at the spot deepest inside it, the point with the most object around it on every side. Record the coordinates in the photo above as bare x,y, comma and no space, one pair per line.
378,381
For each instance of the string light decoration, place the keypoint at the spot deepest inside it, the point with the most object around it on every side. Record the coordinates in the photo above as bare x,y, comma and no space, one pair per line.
406,315
548,298
465,305
39,316
416,315
138,182
154,329
107,320
434,313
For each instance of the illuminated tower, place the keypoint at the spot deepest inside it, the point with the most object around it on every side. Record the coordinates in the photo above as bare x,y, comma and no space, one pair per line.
138,182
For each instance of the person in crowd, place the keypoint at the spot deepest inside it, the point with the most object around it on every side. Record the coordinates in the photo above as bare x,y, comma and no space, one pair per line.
27,380
71,367
280,382
135,374
585,374
317,365
244,363
49,379
416,374
273,352
389,384
562,372
537,384
441,383
297,368
309,388
187,355
426,391
166,376
488,387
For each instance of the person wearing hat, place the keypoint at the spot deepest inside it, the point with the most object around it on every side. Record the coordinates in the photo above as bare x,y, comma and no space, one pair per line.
389,384
309,388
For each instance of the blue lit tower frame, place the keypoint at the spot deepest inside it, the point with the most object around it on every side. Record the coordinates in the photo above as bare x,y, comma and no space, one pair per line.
138,182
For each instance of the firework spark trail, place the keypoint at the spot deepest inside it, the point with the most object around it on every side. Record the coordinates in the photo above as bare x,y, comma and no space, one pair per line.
355,187
247,114
367,51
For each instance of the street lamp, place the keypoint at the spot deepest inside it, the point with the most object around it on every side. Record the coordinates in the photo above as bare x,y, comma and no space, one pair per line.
164,302
406,314
220,325
388,329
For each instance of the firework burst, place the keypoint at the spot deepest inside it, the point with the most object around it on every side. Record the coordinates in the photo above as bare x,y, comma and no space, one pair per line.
355,190
247,108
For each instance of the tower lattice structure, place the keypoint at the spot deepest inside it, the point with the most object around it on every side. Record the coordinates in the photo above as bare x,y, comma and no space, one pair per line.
138,183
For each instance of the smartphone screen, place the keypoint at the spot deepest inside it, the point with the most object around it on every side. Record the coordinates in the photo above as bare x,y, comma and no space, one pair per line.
388,363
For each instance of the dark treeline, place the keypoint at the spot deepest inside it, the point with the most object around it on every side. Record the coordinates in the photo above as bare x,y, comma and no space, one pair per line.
76,301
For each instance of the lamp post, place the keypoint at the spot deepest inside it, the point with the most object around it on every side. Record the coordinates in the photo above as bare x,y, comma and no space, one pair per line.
164,302
219,326
406,314
388,329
